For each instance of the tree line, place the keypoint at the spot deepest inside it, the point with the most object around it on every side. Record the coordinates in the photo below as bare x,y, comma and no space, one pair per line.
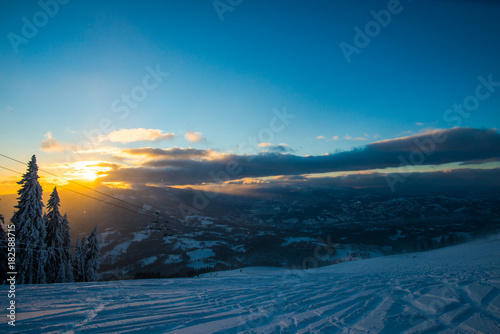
43,251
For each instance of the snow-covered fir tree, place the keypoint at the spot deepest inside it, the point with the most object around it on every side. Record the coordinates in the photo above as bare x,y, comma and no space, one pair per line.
68,266
79,260
54,241
92,258
30,228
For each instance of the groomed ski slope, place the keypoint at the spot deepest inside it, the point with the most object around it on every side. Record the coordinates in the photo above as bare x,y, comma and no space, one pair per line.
451,290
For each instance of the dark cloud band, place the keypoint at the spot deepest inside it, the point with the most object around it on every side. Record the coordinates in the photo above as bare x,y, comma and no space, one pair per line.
178,166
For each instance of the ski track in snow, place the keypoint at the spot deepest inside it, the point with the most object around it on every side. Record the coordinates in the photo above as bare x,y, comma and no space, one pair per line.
450,290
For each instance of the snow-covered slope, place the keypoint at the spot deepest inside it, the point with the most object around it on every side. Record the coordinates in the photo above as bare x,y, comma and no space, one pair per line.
456,289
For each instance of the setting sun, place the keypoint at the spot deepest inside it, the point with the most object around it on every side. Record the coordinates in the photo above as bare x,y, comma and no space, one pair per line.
81,170
89,175
87,170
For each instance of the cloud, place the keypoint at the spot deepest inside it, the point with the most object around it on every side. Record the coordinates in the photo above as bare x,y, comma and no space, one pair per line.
457,144
280,148
347,137
419,124
50,144
458,180
91,148
170,153
194,137
140,134
324,138
432,148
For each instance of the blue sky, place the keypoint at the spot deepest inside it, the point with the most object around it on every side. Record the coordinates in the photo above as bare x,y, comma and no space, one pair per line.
226,77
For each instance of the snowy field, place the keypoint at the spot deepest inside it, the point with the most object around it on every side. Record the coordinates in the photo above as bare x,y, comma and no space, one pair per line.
452,290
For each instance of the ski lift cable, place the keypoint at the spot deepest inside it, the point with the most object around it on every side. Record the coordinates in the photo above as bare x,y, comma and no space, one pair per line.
76,183
79,193
157,214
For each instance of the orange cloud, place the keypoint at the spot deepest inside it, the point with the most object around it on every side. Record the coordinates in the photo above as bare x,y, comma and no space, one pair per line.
194,137
140,134
50,144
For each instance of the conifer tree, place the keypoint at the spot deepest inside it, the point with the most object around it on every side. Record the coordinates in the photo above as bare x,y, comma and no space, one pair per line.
92,259
30,228
54,241
68,267
79,260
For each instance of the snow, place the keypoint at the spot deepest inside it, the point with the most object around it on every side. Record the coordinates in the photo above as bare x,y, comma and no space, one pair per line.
450,290
224,227
203,220
201,264
173,259
139,236
399,235
200,254
292,240
122,247
189,244
239,248
148,260
205,223
119,249
103,236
